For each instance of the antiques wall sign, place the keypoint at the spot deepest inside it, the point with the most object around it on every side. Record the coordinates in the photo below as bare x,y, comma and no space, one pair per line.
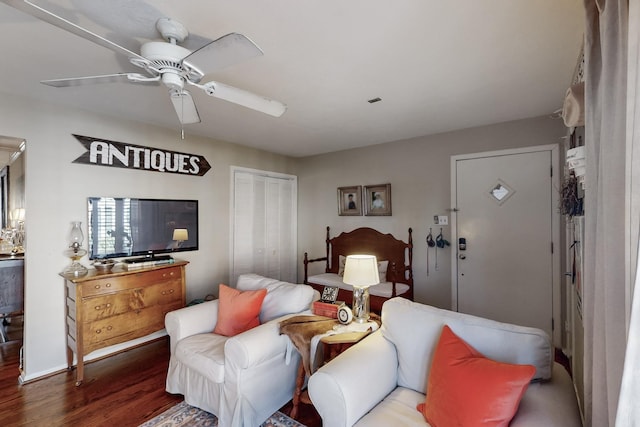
114,154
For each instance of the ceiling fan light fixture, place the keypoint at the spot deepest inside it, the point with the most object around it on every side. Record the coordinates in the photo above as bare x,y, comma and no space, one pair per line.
173,81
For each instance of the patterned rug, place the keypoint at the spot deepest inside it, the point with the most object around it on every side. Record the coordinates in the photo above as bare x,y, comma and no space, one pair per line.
183,415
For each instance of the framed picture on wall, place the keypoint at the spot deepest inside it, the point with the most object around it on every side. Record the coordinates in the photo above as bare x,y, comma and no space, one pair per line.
377,200
350,201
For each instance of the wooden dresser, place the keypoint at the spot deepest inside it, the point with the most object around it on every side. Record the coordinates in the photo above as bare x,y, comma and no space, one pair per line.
104,309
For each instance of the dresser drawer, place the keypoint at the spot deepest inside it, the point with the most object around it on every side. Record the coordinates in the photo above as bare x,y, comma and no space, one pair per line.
124,327
129,281
113,304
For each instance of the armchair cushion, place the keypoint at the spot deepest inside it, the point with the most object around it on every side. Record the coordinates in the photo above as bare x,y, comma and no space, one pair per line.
238,311
490,390
205,354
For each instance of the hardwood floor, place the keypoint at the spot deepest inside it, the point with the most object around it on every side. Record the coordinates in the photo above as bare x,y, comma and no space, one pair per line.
126,389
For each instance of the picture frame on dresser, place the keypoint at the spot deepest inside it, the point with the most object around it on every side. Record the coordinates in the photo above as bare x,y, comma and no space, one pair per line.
350,201
377,200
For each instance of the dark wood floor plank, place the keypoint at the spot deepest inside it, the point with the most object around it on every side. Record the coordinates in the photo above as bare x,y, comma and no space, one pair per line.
125,390
122,390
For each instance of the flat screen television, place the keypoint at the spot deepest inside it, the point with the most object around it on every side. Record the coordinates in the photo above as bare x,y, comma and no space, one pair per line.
126,227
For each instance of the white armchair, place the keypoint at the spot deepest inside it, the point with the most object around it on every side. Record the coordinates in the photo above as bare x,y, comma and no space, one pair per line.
241,379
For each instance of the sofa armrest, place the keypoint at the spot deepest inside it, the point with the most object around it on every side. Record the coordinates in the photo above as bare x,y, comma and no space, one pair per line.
350,385
256,345
187,321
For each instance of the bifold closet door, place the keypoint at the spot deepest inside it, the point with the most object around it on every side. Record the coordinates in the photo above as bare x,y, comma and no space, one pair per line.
264,226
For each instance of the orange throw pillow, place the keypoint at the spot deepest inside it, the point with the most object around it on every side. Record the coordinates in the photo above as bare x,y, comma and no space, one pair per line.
467,389
238,311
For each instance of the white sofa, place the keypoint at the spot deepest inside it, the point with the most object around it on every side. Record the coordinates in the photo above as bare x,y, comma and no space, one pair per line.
241,379
381,380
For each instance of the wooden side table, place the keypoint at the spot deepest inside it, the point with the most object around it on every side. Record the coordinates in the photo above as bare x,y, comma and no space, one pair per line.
333,345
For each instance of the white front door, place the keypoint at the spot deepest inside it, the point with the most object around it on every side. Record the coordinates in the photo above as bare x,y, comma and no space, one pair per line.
504,212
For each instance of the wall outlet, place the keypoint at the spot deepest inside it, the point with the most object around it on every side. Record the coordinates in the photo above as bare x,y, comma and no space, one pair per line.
441,220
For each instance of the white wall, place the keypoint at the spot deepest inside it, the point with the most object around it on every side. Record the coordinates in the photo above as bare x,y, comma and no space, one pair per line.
56,192
418,170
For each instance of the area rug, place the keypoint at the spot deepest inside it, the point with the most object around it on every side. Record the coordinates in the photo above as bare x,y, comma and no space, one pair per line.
183,415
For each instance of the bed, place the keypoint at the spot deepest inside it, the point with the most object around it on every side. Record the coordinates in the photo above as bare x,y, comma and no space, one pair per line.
395,255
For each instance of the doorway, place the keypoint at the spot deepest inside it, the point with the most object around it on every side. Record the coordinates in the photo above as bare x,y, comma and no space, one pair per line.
12,233
505,226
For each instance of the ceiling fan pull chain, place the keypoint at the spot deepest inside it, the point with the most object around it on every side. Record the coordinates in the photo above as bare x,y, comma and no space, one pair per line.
182,117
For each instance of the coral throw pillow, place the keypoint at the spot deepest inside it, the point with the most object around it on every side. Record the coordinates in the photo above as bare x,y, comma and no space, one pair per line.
467,389
238,311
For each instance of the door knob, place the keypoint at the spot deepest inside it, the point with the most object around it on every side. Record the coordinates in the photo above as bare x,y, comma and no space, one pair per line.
462,256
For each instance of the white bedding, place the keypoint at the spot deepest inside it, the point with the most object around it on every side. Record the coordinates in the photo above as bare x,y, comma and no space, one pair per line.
382,290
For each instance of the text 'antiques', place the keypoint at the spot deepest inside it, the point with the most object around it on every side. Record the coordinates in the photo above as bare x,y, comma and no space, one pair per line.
129,156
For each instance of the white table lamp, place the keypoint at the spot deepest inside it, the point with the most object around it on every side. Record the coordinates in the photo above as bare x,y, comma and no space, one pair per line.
361,272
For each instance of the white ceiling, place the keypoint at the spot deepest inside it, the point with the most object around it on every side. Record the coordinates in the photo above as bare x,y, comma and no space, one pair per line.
437,65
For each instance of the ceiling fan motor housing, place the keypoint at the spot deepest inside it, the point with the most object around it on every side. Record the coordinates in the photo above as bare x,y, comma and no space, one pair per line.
167,59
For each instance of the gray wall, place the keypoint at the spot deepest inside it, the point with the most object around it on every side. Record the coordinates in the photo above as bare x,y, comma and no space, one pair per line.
419,172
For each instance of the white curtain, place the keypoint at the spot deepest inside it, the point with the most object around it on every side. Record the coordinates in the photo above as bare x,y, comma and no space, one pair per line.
605,252
629,402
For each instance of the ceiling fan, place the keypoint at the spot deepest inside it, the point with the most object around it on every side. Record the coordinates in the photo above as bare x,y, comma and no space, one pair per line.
168,63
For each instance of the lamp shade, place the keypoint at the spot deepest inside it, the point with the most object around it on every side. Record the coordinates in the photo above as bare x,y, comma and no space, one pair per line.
180,234
361,270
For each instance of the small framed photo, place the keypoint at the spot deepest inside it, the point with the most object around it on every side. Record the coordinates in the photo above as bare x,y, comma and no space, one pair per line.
350,201
377,200
329,294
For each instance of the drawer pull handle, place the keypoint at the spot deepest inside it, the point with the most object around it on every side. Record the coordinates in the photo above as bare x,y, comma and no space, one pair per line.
99,307
108,285
97,286
98,331
169,292
109,328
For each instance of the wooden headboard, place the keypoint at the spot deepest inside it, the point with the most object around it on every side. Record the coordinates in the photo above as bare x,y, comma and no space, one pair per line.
368,241
371,242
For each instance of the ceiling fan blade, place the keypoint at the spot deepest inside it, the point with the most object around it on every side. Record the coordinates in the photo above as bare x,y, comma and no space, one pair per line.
184,106
107,78
227,50
53,19
246,99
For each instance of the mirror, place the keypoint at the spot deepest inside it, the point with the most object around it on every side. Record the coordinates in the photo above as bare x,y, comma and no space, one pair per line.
12,219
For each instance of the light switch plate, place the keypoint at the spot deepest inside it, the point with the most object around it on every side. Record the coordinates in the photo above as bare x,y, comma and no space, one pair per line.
441,220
